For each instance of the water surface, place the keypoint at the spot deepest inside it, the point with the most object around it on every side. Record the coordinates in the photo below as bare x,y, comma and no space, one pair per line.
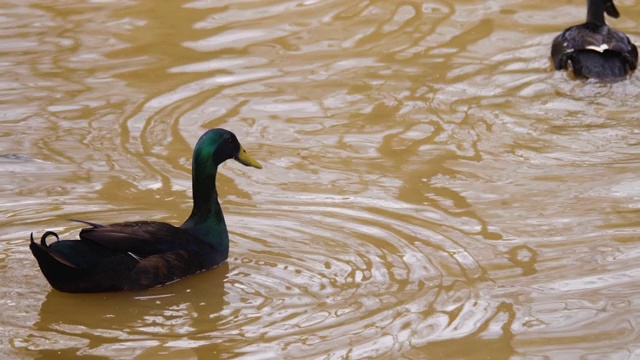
431,189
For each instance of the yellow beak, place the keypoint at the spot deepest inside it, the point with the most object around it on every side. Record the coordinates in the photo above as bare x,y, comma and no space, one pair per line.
245,159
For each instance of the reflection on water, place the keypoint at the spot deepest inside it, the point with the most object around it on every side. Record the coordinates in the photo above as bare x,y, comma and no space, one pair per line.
431,188
96,323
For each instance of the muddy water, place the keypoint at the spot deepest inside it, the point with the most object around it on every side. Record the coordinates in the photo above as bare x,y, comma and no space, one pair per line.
430,188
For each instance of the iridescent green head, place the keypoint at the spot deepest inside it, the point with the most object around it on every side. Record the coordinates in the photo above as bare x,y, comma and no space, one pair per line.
219,145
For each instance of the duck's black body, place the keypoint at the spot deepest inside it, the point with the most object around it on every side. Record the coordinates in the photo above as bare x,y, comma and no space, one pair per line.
143,254
593,49
124,256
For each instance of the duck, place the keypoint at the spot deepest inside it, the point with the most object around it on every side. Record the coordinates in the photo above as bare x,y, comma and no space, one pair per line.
138,255
593,49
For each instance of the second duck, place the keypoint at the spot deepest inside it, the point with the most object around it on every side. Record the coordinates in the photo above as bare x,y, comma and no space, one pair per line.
593,49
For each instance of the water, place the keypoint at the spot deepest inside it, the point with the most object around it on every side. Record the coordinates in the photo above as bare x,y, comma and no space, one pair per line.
431,189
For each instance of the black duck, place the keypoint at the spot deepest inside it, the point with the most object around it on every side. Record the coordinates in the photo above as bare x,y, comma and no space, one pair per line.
593,49
139,255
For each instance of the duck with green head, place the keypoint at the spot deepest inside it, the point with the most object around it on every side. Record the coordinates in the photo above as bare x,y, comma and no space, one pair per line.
139,255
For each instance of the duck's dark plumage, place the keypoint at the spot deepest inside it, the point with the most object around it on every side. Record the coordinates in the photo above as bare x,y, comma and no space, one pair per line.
142,254
593,49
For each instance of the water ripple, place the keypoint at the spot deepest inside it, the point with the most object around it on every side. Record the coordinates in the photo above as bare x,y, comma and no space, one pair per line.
430,185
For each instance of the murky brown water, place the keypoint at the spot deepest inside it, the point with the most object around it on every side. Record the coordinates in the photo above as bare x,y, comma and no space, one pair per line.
430,188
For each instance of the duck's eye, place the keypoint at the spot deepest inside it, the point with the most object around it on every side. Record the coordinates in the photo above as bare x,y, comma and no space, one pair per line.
228,139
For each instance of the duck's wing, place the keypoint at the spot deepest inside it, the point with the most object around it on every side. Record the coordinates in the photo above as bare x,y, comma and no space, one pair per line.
575,38
632,57
141,238
560,50
619,42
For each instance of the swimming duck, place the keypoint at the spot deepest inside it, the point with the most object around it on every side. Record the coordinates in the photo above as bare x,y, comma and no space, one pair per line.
138,255
593,49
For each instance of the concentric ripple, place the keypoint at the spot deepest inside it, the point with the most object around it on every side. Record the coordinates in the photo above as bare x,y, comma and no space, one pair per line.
431,189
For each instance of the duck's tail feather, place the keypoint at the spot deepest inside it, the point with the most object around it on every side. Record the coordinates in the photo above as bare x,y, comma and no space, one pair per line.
43,239
44,250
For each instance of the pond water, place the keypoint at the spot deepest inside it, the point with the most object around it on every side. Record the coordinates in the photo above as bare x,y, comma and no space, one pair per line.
431,188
